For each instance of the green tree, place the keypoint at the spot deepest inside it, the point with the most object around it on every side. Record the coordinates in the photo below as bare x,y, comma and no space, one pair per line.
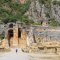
12,12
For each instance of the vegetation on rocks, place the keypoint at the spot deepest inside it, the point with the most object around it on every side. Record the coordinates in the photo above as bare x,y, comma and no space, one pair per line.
55,2
48,5
53,22
38,23
1,37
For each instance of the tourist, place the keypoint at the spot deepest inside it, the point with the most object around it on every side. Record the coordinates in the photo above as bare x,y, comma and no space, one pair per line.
16,50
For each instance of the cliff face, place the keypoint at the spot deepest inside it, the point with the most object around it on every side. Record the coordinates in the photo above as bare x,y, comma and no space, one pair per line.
44,10
56,12
35,12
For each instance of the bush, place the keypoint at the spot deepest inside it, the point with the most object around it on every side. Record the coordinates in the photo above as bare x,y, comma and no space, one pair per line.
47,15
38,23
53,22
55,2
1,37
15,13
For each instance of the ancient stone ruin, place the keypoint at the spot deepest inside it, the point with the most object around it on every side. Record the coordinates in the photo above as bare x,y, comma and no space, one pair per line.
30,38
15,35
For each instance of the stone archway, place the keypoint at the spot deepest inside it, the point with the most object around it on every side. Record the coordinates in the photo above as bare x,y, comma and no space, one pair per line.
11,25
16,37
10,36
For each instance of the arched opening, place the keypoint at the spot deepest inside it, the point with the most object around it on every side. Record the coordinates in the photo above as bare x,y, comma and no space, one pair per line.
10,35
11,26
19,33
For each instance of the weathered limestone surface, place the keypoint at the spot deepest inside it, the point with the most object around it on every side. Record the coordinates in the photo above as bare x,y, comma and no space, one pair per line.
15,37
30,39
5,43
22,40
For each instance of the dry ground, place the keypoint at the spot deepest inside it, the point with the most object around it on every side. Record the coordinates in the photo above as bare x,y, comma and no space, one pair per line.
27,56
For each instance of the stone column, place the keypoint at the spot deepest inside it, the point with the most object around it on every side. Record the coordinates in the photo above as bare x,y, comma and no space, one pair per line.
23,38
15,37
23,34
5,40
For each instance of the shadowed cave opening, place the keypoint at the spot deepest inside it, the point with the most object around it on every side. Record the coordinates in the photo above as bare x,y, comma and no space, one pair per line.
19,33
10,35
11,26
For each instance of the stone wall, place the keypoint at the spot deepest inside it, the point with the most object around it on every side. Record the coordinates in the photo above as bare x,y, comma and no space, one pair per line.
46,34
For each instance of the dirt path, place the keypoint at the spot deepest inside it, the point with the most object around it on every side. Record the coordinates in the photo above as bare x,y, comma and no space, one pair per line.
24,56
14,56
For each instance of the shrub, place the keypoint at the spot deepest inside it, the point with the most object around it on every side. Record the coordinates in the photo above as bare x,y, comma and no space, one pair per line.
53,22
15,13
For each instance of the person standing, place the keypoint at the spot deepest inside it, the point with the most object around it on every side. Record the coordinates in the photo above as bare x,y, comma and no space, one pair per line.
16,50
